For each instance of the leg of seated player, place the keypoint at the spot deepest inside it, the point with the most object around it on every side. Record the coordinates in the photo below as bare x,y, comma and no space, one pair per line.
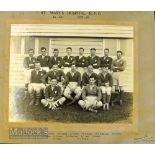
67,93
82,104
77,92
45,102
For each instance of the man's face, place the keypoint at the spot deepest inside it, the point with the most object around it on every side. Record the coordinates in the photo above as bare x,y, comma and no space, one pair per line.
90,69
53,82
43,52
119,55
81,51
91,81
31,53
93,52
56,53
106,52
105,69
37,66
69,51
73,68
55,68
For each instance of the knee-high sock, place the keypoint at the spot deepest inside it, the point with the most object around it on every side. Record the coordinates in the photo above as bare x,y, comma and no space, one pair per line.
108,98
104,98
121,94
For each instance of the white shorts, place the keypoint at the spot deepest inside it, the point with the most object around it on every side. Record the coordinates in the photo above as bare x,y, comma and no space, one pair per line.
82,70
118,79
36,87
66,69
72,87
90,102
106,90
46,69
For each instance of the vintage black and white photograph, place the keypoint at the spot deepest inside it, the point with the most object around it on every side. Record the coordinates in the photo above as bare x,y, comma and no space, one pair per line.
71,73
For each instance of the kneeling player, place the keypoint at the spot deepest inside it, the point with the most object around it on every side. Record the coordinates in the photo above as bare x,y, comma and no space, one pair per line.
36,86
91,96
53,99
105,83
73,84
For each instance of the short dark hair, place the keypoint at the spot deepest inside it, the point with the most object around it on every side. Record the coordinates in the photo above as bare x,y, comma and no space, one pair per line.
43,48
93,49
92,77
55,49
74,64
120,52
69,48
81,48
106,49
31,49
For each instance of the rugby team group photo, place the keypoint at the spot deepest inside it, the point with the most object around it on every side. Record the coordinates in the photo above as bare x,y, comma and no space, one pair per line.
93,82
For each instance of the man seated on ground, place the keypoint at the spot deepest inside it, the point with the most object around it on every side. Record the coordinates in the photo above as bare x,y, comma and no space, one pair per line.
53,99
105,83
73,85
36,86
58,74
91,96
86,76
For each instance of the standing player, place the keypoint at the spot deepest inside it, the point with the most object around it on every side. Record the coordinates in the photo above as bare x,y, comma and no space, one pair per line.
56,59
91,96
68,60
53,99
86,76
106,61
44,59
73,84
118,66
105,83
81,61
36,85
55,73
94,60
29,62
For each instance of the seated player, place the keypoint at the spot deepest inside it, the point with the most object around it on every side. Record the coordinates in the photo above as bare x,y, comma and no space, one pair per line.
68,60
118,66
73,84
56,59
94,60
44,59
106,61
105,83
29,62
36,85
91,96
58,74
53,99
81,61
87,75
